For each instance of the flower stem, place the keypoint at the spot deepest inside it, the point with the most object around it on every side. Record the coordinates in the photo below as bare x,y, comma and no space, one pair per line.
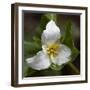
74,67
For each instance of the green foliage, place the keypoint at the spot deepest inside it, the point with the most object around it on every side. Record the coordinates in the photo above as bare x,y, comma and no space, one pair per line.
51,16
29,72
47,72
31,48
56,67
68,40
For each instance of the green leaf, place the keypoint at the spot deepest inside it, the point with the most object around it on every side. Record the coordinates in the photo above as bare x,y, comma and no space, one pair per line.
68,40
31,48
41,26
50,72
29,72
51,16
56,67
36,40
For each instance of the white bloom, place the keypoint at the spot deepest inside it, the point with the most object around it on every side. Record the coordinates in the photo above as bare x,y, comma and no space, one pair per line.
52,50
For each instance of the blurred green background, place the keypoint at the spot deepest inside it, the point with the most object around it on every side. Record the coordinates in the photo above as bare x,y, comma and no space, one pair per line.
33,25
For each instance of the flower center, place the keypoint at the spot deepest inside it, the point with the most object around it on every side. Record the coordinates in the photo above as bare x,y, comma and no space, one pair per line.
52,50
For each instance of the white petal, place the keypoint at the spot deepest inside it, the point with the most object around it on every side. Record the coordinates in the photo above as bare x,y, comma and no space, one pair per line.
51,34
64,55
39,62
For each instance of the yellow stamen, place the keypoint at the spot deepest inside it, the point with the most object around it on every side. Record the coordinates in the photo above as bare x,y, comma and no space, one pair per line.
52,57
52,50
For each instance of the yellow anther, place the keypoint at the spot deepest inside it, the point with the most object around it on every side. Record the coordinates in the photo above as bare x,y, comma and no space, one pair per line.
52,50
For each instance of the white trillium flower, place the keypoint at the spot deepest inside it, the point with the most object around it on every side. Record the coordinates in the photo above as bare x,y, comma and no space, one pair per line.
52,50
